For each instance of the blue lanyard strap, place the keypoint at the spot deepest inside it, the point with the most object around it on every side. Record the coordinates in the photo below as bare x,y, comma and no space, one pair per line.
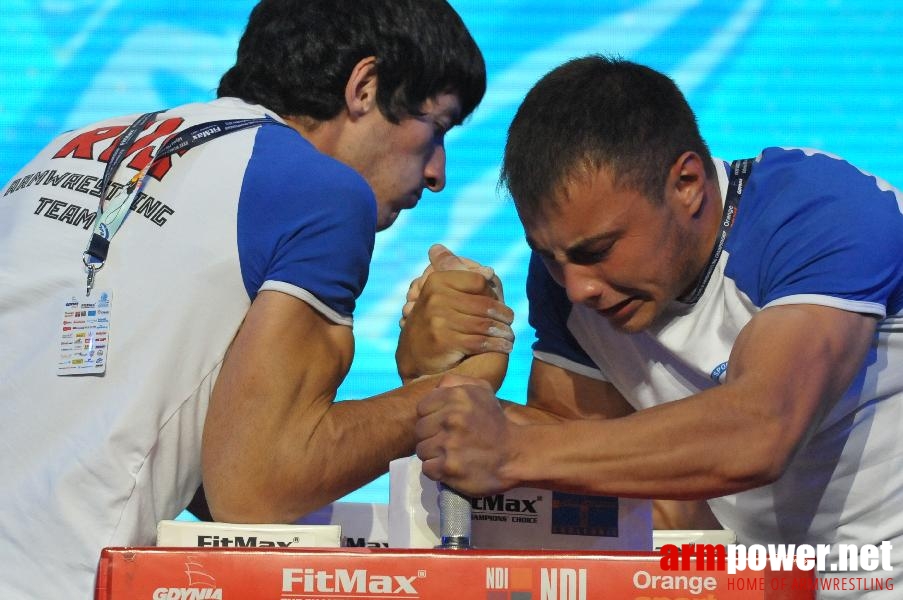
740,171
112,213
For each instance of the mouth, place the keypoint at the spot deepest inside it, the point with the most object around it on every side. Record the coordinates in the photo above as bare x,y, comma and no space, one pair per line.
621,311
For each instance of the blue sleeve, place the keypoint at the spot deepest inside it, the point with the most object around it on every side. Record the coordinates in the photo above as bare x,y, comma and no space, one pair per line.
306,222
550,309
812,227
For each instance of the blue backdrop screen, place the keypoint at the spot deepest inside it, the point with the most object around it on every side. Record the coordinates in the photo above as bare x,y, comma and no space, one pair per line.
816,73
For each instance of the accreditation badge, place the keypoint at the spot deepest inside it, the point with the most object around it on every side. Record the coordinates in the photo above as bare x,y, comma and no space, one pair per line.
85,334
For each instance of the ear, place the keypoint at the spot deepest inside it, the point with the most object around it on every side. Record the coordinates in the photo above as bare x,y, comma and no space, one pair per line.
360,90
687,182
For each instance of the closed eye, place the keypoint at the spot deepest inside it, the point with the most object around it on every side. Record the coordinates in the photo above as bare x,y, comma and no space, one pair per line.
440,128
581,256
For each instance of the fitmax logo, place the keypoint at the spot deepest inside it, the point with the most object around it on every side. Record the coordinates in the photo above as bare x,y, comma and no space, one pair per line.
360,542
215,541
344,581
501,503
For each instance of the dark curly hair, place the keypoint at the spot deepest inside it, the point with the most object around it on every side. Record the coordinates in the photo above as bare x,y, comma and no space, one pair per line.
295,56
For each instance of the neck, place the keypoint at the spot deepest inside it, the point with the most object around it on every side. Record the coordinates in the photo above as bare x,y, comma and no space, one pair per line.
708,250
713,211
324,135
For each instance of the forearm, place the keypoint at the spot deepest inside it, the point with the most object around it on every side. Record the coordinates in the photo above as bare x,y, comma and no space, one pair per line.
299,460
368,434
528,415
352,443
732,437
321,451
676,451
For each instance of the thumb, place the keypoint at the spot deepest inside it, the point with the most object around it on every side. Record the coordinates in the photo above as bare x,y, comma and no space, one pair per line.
443,259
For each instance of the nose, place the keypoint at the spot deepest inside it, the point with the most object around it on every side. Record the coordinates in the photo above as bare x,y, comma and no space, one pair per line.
434,171
581,283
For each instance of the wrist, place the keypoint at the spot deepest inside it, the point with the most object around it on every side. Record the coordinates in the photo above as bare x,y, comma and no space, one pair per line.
408,368
512,471
490,367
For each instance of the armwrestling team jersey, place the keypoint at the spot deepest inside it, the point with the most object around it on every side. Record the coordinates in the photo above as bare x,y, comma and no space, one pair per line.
810,229
97,460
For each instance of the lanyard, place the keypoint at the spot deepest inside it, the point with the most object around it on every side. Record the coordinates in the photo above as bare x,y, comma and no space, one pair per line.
111,213
740,171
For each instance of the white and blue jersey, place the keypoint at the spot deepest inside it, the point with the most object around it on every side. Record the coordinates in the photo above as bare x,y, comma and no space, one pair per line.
810,229
97,460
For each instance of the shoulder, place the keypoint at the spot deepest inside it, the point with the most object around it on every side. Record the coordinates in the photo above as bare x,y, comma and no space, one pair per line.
812,224
281,164
306,223
801,196
804,183
288,176
283,159
816,169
